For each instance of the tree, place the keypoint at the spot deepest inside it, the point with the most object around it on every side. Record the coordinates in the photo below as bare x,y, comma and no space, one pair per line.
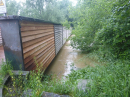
88,19
115,33
48,10
102,25
13,8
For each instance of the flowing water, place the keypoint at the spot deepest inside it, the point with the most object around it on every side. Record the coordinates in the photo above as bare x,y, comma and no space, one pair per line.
68,59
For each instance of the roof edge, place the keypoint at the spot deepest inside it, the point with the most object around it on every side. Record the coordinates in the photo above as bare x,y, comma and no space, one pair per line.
21,18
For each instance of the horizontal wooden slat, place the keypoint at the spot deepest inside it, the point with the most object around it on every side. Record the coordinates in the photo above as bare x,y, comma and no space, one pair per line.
49,57
26,44
28,38
43,58
26,23
29,53
28,56
32,62
35,45
49,61
46,57
38,43
27,33
36,28
40,57
43,66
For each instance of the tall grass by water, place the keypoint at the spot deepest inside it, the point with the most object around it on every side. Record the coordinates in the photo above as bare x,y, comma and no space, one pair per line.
109,80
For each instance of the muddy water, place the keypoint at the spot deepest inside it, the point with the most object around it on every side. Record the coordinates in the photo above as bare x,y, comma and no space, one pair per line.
66,60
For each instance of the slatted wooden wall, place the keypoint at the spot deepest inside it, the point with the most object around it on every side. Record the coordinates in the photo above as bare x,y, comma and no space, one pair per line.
38,44
58,37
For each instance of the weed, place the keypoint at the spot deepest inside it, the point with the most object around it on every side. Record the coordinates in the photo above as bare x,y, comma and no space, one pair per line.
109,80
5,67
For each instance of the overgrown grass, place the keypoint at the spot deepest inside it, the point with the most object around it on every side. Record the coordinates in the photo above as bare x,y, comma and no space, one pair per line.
39,82
109,80
5,67
112,80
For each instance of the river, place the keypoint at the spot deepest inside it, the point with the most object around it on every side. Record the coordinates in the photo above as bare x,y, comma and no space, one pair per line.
68,59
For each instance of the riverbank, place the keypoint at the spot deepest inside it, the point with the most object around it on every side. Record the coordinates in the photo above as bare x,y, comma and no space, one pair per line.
103,80
111,79
68,59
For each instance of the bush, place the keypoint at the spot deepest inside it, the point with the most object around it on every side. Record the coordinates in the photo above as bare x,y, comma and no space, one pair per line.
111,80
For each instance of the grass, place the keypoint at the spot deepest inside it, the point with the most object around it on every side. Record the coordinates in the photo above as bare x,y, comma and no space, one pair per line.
112,80
109,80
5,67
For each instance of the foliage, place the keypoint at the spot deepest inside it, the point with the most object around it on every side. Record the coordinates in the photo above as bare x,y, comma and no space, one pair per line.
111,80
15,87
115,34
20,84
13,8
88,17
102,25
4,70
57,86
48,10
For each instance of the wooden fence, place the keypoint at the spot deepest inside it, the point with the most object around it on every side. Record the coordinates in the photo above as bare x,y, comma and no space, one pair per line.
29,43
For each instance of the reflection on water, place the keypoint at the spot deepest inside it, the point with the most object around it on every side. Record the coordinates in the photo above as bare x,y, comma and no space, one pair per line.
66,60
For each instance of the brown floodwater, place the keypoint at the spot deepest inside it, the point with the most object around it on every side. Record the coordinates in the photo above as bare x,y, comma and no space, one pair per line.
68,59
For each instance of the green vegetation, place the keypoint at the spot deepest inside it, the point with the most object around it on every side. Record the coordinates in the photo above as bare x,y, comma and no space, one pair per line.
102,25
111,79
36,82
101,28
4,70
48,10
